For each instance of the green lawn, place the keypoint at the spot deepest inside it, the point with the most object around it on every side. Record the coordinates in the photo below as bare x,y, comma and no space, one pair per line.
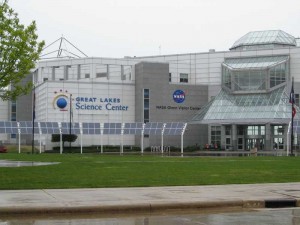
96,170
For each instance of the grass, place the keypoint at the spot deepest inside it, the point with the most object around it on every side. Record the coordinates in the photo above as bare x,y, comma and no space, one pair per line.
96,171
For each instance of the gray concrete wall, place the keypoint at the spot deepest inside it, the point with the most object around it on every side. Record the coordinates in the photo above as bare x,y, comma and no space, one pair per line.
163,108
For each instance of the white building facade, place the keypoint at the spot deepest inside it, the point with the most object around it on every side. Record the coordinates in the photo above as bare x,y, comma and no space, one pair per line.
144,89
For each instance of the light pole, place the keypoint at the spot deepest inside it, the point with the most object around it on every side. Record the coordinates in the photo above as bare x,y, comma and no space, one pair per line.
70,125
33,118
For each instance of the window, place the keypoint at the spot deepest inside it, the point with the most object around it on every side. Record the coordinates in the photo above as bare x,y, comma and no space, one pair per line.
215,135
87,75
278,130
170,77
184,78
45,79
13,115
240,143
99,75
240,130
256,130
227,130
146,105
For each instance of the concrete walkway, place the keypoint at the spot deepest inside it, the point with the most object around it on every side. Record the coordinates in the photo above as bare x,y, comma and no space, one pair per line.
149,199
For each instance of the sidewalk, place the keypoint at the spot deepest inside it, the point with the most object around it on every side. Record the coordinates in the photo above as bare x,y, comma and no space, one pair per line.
149,199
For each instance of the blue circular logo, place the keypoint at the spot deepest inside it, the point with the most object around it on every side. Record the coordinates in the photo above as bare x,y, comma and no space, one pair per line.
61,103
179,96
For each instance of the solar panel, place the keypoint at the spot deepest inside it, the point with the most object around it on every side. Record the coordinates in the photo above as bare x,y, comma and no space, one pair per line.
10,127
76,128
173,128
153,128
26,127
43,127
133,128
91,128
52,128
112,128
65,128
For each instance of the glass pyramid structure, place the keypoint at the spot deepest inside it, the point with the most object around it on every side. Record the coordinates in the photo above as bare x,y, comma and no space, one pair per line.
278,37
225,108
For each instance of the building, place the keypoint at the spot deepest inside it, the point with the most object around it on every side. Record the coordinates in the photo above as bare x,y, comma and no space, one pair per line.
236,99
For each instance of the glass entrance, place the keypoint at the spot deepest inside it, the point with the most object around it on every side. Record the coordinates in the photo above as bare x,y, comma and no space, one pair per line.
258,143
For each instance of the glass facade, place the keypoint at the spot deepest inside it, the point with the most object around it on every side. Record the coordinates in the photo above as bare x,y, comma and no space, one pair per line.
253,93
246,108
254,74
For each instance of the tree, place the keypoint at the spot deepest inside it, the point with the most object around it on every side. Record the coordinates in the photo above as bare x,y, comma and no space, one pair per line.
19,50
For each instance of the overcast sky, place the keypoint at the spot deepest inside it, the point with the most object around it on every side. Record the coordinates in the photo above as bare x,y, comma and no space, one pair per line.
118,28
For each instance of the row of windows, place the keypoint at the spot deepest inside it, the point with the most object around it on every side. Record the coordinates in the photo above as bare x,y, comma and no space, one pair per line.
83,71
254,130
183,77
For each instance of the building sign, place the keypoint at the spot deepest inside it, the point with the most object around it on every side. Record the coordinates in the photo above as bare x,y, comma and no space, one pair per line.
170,107
93,103
62,102
179,96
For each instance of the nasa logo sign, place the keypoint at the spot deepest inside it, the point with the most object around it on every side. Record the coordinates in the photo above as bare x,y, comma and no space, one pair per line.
179,96
60,101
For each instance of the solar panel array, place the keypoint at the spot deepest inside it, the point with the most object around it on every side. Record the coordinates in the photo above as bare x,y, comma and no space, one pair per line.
8,127
91,128
174,128
133,128
65,128
151,128
112,128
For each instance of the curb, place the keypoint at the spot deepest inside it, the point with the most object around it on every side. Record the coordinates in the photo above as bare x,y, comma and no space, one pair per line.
152,207
133,208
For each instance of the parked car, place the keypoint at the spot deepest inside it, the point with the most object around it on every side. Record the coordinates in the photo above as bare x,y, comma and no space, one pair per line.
3,149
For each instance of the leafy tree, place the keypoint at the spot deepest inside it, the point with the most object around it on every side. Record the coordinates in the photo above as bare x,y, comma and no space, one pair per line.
65,138
19,50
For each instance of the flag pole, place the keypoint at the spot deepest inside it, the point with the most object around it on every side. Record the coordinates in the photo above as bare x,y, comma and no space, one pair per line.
292,100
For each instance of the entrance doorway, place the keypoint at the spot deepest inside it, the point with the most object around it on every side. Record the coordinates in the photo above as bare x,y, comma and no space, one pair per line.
258,143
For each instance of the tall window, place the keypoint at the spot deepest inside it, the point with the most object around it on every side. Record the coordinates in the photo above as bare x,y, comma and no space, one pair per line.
146,105
184,78
215,135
